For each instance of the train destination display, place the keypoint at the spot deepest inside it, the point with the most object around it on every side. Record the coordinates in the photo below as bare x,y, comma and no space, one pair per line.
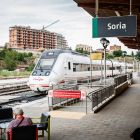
123,26
66,94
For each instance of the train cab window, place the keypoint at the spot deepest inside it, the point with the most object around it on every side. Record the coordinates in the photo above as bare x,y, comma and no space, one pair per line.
69,68
45,63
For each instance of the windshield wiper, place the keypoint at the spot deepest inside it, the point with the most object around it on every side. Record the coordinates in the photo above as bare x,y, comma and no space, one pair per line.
41,69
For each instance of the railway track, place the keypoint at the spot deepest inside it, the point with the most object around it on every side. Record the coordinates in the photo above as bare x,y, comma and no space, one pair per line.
22,94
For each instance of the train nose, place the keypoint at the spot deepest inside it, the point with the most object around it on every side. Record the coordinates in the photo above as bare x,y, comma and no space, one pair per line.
39,85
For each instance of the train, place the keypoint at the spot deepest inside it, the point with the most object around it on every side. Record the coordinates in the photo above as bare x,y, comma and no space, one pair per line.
55,65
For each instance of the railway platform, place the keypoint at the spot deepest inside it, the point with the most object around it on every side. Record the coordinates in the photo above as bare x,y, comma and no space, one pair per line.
115,121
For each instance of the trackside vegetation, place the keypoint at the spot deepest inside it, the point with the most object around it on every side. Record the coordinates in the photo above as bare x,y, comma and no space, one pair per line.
10,59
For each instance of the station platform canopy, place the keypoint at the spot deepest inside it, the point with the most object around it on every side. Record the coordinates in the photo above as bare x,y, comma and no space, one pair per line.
109,8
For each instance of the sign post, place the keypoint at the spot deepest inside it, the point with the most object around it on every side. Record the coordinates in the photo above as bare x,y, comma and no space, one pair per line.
95,56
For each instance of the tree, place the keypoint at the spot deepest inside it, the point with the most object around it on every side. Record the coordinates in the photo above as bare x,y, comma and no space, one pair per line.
138,55
11,60
25,54
70,48
20,57
117,53
80,50
132,53
3,52
86,52
30,54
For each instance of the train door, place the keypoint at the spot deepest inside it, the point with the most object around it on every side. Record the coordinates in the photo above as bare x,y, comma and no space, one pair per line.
68,67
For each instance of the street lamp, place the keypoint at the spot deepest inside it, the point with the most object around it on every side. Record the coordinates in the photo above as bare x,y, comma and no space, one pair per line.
137,64
105,43
133,58
124,53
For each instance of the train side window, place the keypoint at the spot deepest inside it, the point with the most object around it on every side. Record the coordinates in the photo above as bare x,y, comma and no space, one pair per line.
69,66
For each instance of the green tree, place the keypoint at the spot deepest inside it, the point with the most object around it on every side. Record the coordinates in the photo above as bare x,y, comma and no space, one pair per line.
80,50
70,48
137,55
11,60
3,52
25,54
132,53
86,52
117,53
20,57
31,66
30,54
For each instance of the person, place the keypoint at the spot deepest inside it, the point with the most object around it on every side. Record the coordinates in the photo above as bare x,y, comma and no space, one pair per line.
19,121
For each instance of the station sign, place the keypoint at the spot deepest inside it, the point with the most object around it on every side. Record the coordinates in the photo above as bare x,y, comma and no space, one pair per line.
95,56
123,26
66,94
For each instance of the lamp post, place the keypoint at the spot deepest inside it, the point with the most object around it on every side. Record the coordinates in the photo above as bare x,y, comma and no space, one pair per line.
124,53
137,64
105,43
133,58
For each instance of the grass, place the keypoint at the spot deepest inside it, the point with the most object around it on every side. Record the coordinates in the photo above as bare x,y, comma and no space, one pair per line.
7,74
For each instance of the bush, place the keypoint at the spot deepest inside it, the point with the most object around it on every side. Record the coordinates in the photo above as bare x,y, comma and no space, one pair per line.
129,55
109,56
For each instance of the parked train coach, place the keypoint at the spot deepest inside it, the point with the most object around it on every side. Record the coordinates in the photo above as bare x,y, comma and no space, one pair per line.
55,65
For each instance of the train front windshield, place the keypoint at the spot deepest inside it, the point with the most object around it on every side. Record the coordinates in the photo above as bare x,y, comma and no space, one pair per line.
45,64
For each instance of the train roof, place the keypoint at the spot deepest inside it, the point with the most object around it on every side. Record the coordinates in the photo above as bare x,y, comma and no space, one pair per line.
59,51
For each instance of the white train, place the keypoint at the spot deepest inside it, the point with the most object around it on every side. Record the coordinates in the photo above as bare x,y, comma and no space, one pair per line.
55,65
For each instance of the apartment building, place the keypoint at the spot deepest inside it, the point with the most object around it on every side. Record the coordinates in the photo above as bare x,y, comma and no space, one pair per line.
27,38
85,47
114,48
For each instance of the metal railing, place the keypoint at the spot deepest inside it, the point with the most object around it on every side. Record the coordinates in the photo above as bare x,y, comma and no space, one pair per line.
118,80
99,96
65,87
129,75
79,81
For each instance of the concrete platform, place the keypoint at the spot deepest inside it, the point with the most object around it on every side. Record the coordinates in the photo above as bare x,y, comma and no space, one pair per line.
13,81
114,122
7,98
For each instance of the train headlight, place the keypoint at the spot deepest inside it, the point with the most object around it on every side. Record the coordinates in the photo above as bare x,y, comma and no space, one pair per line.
47,73
34,73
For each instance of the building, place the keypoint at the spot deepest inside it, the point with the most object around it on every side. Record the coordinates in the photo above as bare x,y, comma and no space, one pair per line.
27,38
85,47
102,50
114,48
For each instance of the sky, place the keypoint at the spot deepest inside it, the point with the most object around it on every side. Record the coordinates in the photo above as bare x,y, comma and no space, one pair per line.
75,23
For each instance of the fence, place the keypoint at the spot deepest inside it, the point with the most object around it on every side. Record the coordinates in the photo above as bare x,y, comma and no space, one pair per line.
96,96
118,80
64,101
79,81
65,87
